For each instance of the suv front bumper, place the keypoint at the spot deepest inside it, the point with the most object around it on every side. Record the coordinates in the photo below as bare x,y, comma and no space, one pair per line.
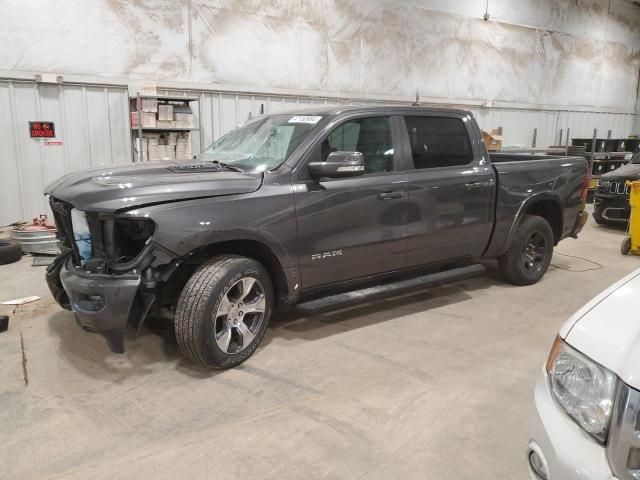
611,208
568,452
101,303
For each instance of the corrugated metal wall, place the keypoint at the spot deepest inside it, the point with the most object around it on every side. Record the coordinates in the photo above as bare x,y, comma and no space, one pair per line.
518,125
91,121
220,112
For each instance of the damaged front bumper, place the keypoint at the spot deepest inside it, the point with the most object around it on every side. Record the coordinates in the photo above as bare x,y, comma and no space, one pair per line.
102,303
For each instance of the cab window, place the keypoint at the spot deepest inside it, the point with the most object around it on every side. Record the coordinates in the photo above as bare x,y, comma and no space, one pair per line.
370,136
438,142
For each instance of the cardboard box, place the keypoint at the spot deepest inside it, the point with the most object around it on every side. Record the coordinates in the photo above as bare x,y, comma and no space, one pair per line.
153,153
165,123
165,112
184,120
493,140
183,149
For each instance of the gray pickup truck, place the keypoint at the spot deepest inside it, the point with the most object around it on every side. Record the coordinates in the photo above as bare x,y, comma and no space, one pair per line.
315,209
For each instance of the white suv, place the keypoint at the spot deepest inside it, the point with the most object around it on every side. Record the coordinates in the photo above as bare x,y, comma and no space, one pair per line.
587,422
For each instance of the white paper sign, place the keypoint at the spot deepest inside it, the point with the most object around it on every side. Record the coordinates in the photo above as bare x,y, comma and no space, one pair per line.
310,119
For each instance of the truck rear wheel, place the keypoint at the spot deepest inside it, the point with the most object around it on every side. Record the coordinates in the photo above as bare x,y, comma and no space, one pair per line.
529,254
223,311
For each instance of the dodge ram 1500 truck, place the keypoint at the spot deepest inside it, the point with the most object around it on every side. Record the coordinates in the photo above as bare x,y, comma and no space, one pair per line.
297,209
587,398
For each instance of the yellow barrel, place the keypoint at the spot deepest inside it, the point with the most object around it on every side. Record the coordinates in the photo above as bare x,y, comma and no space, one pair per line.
632,243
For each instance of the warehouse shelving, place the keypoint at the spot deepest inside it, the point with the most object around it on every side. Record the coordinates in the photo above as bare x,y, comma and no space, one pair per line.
136,105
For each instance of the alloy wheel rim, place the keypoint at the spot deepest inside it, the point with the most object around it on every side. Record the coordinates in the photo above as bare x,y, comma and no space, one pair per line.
240,315
534,252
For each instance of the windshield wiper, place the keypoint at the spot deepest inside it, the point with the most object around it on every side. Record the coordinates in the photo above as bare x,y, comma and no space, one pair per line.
227,166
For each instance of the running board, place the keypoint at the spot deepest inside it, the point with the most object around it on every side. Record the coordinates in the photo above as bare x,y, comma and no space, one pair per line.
357,297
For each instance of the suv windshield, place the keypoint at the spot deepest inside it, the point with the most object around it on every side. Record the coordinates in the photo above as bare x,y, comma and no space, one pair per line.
636,159
262,144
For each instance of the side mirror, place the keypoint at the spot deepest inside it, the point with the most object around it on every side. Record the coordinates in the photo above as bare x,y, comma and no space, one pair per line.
339,165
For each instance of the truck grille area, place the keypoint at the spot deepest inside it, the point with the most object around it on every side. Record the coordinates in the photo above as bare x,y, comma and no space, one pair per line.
614,187
62,218
623,449
619,188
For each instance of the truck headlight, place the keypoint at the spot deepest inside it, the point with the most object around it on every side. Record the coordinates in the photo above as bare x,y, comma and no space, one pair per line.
81,233
584,389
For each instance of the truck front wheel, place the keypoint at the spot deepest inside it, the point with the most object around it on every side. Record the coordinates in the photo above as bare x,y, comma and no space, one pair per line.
223,311
529,254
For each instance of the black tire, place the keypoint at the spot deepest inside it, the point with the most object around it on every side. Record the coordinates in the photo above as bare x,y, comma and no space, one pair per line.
10,251
598,219
529,254
625,248
197,320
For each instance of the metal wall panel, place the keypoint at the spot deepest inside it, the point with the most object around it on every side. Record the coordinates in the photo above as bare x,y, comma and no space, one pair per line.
220,112
91,121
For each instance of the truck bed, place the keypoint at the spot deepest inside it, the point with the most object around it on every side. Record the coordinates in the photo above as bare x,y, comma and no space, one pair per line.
522,178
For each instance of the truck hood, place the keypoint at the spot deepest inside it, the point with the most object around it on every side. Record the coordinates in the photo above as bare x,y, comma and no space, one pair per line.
607,329
109,189
630,171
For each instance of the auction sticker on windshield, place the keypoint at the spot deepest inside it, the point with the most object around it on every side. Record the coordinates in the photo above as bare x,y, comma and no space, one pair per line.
311,119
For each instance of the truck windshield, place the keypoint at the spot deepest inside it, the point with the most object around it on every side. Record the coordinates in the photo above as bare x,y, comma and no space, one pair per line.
262,144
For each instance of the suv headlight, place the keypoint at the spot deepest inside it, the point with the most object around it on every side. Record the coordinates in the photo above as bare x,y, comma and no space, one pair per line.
604,184
584,389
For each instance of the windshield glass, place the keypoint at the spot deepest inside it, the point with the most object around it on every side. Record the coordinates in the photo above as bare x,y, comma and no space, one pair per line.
636,159
262,144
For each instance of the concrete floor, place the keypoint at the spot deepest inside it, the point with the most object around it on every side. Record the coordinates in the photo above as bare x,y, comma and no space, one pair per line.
431,385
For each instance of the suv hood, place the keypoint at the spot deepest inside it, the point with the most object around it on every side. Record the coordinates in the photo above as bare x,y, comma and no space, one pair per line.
109,189
607,329
630,171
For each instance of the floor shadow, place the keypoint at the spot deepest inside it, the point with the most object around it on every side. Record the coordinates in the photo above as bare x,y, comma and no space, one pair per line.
154,347
294,325
156,344
613,227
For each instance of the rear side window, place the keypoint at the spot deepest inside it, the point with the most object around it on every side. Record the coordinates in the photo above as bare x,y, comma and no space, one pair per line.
370,136
438,142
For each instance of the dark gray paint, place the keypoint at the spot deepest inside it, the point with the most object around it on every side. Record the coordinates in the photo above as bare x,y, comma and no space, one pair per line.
379,223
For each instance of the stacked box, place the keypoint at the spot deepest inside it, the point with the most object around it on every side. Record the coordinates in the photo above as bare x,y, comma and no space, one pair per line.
147,105
166,152
183,147
165,112
183,116
148,119
184,120
152,149
172,138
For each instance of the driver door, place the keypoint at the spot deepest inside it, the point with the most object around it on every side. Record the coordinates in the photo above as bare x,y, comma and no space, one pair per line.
351,228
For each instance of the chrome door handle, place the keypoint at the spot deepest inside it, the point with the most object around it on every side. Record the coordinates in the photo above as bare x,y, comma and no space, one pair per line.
475,185
391,195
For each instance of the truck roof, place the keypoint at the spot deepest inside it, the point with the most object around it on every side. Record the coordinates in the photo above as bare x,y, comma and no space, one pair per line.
341,109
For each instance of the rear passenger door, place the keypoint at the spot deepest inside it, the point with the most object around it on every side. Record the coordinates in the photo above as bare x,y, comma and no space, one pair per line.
451,190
